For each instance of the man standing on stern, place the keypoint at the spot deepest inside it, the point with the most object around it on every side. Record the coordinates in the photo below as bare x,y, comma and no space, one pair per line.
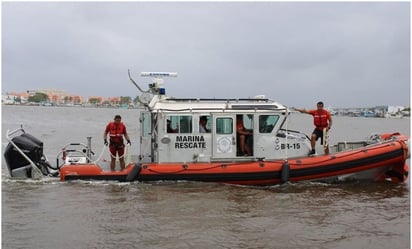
321,119
116,131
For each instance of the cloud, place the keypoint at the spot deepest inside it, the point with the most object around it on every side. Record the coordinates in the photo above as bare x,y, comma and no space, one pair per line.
348,54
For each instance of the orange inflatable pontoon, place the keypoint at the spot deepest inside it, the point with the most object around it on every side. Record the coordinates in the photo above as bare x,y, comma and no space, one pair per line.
383,161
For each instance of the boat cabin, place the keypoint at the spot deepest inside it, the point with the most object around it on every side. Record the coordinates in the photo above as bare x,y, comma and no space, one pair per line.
208,130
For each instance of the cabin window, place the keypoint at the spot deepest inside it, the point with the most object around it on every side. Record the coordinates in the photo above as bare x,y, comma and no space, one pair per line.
145,120
205,124
224,125
179,124
247,121
267,123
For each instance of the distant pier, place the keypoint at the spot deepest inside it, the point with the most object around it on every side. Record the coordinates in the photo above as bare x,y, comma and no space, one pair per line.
375,112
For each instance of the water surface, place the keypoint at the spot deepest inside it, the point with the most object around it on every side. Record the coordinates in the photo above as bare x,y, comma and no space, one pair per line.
86,214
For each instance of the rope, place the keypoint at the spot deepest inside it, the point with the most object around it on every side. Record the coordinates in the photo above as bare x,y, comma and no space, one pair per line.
100,156
356,151
199,169
126,150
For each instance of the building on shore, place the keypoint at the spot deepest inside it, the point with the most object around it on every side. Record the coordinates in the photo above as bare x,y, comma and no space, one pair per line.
373,112
62,98
55,97
58,98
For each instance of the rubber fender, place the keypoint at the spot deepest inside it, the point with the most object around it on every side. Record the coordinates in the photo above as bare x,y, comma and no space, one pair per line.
285,173
134,173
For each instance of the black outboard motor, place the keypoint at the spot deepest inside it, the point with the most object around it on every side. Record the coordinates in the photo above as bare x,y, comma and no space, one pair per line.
32,147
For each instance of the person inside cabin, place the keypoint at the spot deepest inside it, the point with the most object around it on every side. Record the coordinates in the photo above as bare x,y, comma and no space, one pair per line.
202,125
243,134
169,127
321,119
116,131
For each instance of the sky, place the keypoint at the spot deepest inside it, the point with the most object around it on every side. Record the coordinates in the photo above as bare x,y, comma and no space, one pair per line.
351,54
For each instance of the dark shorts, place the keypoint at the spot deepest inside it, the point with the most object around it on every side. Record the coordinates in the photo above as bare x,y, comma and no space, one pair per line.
319,134
116,148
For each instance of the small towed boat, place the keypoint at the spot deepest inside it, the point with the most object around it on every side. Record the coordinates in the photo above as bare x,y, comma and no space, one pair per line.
25,159
94,172
196,140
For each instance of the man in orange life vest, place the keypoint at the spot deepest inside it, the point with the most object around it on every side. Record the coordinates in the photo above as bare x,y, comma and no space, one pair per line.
116,131
321,119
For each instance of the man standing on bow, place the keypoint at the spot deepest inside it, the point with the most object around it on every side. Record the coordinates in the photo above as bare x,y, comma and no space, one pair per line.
116,131
322,120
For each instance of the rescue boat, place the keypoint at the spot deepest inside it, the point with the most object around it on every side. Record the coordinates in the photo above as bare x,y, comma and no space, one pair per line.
384,161
196,140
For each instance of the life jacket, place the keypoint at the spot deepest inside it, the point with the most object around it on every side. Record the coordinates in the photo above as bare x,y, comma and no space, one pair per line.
239,125
320,119
116,132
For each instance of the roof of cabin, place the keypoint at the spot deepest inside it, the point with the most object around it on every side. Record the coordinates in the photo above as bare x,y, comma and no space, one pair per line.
180,104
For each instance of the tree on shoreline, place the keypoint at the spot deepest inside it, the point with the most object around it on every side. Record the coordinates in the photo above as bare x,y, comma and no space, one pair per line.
38,97
125,100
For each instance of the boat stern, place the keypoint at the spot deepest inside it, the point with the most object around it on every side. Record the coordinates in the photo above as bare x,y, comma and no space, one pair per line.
399,173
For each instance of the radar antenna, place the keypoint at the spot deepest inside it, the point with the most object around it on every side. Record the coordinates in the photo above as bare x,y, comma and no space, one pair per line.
155,88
